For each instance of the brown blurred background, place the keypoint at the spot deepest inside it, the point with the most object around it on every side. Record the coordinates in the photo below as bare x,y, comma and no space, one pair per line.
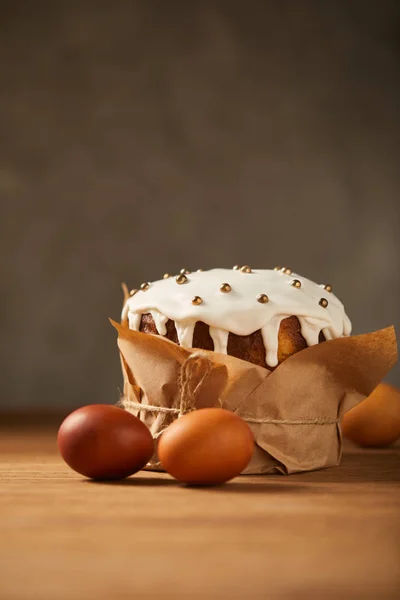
143,137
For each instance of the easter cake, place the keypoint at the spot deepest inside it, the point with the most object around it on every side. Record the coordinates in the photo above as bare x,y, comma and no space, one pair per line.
258,315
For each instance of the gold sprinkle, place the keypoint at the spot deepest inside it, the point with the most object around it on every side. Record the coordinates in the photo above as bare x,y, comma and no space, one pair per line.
237,268
166,275
245,269
295,283
262,298
277,268
184,272
225,287
144,286
200,270
197,300
133,292
327,287
323,302
181,279
286,270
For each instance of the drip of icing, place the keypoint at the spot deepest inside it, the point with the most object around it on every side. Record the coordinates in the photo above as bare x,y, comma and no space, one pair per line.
270,338
185,333
160,321
327,333
134,321
220,339
310,330
346,325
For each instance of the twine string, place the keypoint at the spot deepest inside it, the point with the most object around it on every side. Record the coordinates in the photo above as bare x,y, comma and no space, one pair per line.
194,372
249,419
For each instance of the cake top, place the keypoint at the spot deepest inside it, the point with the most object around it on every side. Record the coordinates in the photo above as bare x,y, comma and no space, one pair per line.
239,300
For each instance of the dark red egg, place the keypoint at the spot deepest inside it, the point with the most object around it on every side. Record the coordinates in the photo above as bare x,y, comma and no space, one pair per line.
104,442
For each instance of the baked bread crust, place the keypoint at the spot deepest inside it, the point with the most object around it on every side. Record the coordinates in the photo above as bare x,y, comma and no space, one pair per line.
247,347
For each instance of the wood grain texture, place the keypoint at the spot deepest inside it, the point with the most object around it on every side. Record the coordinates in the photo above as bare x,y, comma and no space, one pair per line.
327,534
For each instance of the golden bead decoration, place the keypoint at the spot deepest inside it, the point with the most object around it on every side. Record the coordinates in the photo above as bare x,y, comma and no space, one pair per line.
262,298
133,292
295,283
184,272
237,268
277,268
197,300
145,286
181,279
225,287
286,270
245,269
166,275
328,287
323,302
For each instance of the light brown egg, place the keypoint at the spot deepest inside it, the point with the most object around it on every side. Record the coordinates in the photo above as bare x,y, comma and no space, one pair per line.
104,442
376,420
206,447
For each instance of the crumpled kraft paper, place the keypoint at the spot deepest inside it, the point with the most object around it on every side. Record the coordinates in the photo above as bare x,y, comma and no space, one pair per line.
293,411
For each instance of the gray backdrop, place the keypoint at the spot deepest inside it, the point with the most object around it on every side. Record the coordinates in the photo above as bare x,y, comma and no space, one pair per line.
141,137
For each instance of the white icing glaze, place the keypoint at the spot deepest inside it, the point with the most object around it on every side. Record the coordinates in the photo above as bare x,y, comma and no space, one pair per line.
134,320
269,334
184,332
160,321
238,310
310,329
220,339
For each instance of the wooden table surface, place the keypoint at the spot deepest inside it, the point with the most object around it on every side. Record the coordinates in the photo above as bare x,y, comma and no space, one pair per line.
327,534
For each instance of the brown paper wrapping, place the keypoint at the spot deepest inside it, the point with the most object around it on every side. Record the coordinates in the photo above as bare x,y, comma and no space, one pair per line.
293,411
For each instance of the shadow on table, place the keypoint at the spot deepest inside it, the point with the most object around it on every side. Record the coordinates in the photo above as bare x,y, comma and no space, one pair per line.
368,466
262,485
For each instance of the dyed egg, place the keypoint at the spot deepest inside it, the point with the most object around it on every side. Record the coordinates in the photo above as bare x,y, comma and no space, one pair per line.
104,442
376,420
207,446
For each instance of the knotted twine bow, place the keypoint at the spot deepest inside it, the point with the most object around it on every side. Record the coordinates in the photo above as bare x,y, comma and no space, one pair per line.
194,372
